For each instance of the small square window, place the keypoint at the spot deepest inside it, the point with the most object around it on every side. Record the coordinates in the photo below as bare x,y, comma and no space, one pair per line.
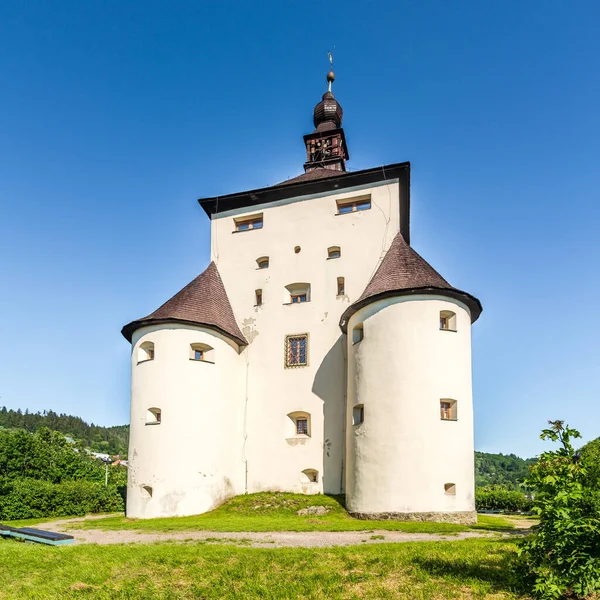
448,410
450,489
202,353
296,350
447,320
263,262
358,333
246,223
298,298
153,416
334,252
358,414
349,206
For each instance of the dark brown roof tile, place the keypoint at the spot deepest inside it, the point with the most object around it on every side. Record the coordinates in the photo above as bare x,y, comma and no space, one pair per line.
403,272
313,175
203,301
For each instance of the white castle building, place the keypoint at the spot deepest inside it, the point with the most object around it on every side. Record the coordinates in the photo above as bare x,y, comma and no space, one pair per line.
317,353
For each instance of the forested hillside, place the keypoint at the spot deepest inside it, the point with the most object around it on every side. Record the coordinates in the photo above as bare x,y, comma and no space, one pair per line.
506,470
111,440
490,469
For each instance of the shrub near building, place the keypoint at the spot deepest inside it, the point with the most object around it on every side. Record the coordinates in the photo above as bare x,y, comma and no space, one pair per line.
41,475
496,497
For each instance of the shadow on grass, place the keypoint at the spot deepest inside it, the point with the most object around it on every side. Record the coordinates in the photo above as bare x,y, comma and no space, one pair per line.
340,499
496,570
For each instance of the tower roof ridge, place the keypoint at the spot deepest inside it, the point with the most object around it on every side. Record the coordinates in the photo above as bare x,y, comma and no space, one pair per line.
203,301
404,272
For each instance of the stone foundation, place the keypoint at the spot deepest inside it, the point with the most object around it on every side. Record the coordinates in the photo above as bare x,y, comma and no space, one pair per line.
467,517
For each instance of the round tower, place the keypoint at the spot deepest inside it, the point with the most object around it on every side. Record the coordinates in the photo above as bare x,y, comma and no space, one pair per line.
186,390
409,434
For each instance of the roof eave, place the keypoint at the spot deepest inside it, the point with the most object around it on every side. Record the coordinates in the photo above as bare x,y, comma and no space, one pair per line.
129,329
345,180
472,303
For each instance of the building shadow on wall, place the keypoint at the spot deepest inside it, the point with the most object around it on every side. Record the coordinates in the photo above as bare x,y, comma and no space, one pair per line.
330,385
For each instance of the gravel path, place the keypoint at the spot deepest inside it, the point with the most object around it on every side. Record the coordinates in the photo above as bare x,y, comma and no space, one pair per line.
273,539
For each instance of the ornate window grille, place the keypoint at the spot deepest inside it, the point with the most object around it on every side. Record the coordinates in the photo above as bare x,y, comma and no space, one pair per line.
296,350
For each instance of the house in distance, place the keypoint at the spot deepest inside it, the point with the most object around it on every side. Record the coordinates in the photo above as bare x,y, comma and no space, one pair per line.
317,353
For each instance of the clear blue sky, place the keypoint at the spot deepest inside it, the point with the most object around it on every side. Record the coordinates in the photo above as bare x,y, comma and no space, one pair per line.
116,116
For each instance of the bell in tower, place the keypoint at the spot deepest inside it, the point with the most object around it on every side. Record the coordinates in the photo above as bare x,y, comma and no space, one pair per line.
326,145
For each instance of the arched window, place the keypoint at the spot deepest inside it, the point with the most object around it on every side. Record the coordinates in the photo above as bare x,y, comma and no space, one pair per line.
146,351
358,414
358,334
310,476
153,416
300,422
262,262
334,252
448,409
447,320
341,286
202,353
297,293
450,489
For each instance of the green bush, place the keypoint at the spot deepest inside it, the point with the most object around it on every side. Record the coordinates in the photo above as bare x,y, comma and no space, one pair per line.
30,498
496,497
561,558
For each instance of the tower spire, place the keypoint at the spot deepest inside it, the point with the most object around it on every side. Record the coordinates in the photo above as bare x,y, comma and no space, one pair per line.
326,145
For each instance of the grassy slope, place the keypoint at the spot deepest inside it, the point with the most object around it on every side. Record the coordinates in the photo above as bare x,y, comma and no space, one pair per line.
443,570
277,512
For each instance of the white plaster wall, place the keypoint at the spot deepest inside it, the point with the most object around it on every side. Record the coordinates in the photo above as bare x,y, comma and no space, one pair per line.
402,455
193,459
274,461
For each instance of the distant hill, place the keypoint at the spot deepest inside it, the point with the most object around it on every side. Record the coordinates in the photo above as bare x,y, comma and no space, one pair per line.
490,469
111,440
501,469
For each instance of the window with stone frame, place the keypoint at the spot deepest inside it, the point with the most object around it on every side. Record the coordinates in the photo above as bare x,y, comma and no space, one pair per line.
296,350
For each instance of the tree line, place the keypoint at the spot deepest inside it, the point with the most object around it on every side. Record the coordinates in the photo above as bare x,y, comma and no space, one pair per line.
110,440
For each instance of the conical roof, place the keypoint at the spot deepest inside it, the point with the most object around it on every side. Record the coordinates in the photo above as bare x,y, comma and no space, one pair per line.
203,301
403,272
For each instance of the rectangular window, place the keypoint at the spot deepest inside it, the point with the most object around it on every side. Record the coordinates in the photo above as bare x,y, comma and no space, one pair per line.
358,414
296,350
448,410
341,288
349,206
258,297
246,223
298,298
198,354
302,426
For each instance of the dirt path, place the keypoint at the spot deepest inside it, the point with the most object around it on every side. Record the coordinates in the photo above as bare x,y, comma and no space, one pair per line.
273,539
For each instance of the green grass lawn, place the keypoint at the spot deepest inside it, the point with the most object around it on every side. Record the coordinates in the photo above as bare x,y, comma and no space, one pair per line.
413,571
277,512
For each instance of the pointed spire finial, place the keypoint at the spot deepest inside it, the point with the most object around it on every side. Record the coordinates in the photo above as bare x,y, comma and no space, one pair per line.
331,74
